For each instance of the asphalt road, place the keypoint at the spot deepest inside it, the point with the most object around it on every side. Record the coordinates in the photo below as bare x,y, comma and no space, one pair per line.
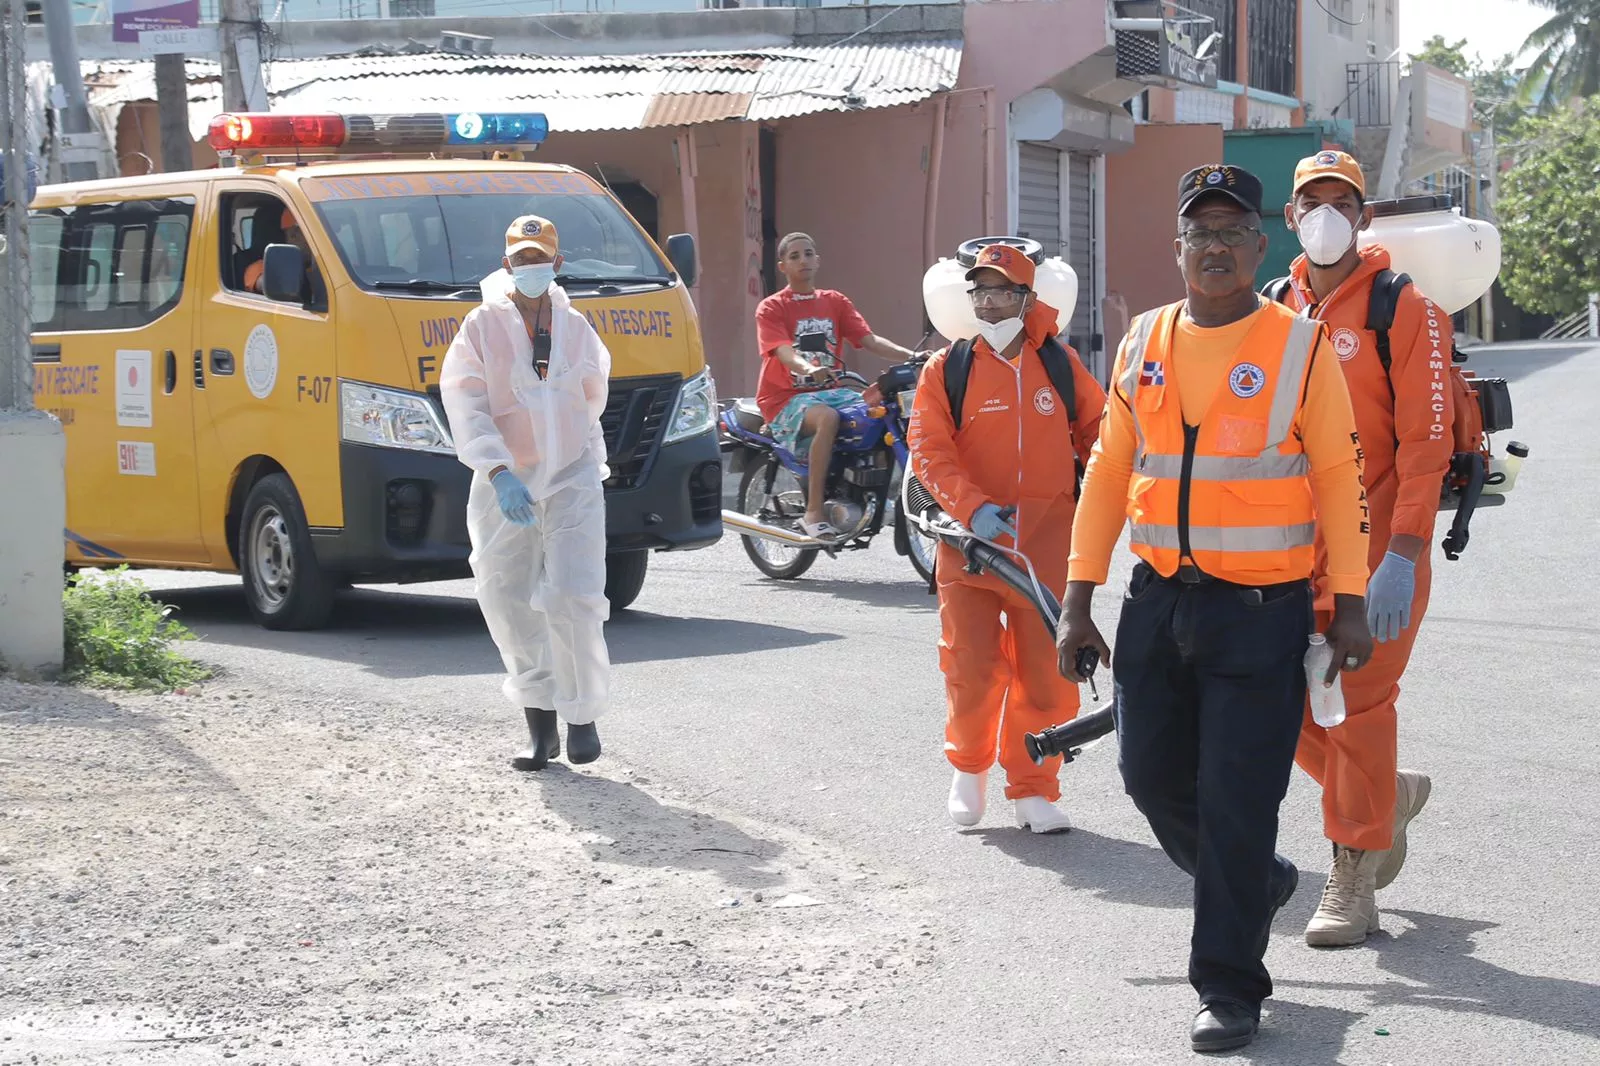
818,705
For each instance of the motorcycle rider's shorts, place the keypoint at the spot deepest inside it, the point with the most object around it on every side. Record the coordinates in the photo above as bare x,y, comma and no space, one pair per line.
786,428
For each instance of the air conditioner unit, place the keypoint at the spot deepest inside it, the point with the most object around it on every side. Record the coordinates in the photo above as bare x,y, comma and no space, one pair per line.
471,44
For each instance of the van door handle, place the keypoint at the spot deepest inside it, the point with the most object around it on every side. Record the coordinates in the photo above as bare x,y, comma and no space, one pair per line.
221,361
172,372
47,353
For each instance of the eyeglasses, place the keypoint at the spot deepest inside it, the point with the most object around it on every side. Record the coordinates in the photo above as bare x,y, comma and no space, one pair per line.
1197,238
992,296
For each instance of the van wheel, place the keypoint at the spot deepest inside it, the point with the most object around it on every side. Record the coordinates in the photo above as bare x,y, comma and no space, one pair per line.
283,583
625,577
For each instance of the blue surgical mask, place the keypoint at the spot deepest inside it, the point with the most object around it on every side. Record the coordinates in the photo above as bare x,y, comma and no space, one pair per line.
533,281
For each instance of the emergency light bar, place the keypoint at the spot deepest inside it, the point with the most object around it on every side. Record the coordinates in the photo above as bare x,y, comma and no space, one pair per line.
238,132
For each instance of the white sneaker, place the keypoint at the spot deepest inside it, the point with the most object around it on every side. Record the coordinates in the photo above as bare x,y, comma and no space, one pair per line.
966,797
1041,816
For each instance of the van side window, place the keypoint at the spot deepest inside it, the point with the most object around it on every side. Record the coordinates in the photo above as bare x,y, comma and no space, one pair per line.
120,265
44,262
254,221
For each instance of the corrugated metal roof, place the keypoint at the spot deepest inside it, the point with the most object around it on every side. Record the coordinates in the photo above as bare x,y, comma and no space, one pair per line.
611,92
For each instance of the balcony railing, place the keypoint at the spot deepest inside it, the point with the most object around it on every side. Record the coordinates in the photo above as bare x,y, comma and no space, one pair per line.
1370,92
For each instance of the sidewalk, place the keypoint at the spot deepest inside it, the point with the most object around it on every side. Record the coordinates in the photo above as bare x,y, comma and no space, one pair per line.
225,875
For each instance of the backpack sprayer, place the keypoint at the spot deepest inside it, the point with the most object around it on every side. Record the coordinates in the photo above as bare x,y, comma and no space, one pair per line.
1014,568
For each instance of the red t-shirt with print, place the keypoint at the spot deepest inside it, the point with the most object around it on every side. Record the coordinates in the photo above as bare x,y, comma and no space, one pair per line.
814,324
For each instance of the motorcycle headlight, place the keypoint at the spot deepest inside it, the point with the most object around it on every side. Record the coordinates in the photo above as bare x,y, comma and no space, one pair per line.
391,419
697,408
905,398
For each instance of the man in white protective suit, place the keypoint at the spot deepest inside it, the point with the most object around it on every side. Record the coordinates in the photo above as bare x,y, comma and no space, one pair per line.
524,385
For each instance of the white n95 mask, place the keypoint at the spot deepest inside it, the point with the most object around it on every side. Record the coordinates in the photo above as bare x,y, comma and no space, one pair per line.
1325,234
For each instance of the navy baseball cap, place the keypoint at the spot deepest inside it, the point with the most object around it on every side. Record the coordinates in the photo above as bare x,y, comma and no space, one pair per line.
1236,183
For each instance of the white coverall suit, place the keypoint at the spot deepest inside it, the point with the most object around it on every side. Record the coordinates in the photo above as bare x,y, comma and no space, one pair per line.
541,587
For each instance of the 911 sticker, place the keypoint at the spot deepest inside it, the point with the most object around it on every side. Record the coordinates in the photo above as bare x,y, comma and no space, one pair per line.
136,458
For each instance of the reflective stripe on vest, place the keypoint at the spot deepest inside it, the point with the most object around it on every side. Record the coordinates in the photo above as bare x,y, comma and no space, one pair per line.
1267,492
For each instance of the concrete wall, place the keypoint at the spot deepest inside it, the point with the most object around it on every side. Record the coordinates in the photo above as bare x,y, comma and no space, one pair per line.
34,478
1325,50
1142,211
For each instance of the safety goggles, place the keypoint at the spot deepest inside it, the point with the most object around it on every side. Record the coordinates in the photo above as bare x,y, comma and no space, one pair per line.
994,296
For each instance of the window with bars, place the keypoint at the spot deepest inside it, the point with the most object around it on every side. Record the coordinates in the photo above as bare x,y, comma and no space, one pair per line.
1273,44
1341,17
1223,12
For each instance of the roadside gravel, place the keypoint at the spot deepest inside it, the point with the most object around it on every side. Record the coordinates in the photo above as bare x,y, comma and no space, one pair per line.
230,875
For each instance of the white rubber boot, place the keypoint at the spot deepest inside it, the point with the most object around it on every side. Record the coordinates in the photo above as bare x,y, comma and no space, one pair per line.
1041,816
967,792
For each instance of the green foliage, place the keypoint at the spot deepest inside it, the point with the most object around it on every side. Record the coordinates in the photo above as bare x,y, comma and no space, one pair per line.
1566,54
1451,58
118,637
1549,212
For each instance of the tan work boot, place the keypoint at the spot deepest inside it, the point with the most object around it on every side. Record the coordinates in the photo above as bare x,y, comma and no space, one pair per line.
1348,913
1411,791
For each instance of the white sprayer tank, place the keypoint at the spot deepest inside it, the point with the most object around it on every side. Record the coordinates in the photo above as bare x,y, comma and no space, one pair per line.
945,285
1453,260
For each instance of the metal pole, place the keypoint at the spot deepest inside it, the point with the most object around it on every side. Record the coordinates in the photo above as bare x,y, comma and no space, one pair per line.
1594,314
69,75
16,293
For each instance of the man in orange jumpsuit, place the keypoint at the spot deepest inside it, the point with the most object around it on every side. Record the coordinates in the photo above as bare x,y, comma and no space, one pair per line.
1403,417
1012,451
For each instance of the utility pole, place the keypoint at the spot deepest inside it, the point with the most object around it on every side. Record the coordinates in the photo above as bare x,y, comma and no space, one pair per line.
172,104
69,75
243,88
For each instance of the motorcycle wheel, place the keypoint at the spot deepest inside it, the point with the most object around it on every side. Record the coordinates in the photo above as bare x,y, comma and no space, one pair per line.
920,549
771,558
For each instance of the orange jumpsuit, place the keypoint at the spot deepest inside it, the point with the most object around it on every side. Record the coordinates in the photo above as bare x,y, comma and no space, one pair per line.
1406,437
1014,448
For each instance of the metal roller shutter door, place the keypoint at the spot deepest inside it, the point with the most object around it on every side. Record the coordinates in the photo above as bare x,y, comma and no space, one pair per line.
1080,249
1039,195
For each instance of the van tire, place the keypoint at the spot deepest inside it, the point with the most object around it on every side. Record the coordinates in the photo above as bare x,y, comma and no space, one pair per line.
284,585
625,577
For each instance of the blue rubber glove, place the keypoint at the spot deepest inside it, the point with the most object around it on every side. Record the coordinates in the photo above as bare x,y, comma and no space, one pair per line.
988,523
1389,595
515,502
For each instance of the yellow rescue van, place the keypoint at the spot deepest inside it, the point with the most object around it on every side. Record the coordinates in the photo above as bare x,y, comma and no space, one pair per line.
246,360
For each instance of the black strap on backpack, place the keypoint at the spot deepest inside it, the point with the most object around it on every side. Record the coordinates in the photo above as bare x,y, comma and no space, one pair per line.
1057,366
1276,289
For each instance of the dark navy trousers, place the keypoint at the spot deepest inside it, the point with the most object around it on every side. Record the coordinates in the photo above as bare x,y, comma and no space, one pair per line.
1211,689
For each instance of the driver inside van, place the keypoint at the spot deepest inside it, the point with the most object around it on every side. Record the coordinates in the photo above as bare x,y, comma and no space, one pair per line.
799,330
292,234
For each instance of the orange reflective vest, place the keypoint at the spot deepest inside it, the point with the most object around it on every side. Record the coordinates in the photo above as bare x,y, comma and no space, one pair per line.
1233,494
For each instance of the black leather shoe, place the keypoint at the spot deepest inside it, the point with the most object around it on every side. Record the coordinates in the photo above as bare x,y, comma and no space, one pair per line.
583,744
1222,1025
546,737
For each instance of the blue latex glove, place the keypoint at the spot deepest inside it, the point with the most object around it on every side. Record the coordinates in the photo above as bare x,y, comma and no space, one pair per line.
515,502
988,523
1389,595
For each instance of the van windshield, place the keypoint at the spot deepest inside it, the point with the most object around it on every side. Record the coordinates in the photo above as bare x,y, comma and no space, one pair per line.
447,232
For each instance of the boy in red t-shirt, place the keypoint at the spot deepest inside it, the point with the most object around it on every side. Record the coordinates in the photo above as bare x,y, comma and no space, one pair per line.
799,330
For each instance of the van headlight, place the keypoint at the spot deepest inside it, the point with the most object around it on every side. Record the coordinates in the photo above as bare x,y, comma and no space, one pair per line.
697,408
388,418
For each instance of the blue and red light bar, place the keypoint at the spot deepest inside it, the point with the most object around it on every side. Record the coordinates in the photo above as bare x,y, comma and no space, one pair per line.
239,132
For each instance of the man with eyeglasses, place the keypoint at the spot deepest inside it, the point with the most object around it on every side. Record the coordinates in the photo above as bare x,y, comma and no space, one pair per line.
1008,474
1229,434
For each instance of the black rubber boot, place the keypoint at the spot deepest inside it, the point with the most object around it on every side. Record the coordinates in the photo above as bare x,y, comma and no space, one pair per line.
542,729
583,743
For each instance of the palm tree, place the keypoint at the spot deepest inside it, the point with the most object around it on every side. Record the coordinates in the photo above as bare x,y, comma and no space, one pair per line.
1567,63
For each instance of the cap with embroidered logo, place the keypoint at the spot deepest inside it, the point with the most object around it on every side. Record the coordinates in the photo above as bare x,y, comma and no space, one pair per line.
1009,261
1330,164
1221,179
531,231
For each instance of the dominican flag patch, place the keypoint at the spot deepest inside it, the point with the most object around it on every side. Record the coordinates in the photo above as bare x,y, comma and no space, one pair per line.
1152,374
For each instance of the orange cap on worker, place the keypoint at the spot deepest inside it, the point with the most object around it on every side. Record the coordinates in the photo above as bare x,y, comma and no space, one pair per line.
1330,164
1013,263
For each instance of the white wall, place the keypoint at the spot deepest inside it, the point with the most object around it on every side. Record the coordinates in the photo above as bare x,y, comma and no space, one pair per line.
1329,45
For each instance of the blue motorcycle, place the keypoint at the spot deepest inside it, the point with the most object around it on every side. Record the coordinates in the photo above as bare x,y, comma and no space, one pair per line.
869,462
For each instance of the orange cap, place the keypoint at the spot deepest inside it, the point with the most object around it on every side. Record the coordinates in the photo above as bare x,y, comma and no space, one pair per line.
1011,262
1330,165
531,231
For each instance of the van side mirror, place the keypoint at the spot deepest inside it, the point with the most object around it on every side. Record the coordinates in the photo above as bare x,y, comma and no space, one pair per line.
283,271
681,253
